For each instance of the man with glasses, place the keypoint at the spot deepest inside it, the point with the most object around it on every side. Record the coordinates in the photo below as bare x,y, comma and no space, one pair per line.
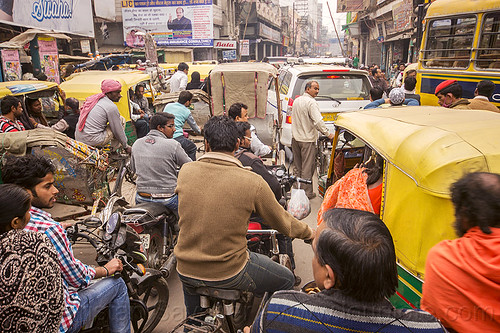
155,159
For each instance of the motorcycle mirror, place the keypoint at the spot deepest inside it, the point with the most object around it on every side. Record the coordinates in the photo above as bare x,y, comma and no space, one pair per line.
92,222
112,222
348,137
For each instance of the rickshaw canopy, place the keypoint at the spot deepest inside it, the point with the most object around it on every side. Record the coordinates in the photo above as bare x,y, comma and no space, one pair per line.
84,84
426,149
245,83
431,145
19,88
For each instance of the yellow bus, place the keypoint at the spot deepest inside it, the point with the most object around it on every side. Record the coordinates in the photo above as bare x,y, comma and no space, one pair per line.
461,41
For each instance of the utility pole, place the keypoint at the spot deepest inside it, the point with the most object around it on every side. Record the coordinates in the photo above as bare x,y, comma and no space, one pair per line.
333,21
294,35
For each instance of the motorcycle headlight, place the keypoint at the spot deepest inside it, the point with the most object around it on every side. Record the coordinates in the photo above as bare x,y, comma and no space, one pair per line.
112,222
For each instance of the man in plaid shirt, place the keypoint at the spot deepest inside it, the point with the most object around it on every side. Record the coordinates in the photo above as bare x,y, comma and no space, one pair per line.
84,300
11,110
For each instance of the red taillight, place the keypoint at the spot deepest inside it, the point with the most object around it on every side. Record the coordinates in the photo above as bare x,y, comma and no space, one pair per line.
288,118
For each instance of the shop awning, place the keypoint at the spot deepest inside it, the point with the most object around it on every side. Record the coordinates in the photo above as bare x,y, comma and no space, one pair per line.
19,41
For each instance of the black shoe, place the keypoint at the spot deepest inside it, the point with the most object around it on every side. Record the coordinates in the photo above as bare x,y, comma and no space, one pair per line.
311,196
298,280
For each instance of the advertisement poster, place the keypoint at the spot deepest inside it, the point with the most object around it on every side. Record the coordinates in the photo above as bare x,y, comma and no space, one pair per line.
11,65
245,47
401,14
49,58
170,22
229,55
72,16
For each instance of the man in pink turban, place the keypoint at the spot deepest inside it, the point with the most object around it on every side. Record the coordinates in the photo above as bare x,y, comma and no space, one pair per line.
100,121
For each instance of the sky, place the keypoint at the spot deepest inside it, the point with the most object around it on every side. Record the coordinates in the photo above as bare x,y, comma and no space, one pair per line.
327,21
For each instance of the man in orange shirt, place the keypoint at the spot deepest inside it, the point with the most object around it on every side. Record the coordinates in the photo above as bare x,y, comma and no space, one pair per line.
462,276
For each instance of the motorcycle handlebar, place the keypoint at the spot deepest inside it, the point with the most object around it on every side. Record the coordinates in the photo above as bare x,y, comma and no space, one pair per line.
301,180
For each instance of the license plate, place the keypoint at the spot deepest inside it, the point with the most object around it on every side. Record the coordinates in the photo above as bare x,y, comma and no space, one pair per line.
329,116
145,240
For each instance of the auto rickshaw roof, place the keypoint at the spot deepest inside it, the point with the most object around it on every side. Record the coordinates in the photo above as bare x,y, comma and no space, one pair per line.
18,88
432,145
249,67
81,85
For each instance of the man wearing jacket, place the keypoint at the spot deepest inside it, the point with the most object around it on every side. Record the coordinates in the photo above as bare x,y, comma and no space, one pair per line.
155,159
216,198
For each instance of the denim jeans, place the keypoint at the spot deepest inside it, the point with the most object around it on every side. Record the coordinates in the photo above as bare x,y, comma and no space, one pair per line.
188,146
260,275
171,203
109,291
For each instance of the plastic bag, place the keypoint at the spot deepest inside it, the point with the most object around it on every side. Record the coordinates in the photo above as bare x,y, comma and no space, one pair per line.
299,205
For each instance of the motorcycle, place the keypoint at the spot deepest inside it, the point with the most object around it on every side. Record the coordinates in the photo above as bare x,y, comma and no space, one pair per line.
158,229
148,291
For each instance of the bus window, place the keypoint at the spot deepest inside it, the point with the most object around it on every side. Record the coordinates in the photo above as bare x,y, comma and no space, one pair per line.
449,42
489,44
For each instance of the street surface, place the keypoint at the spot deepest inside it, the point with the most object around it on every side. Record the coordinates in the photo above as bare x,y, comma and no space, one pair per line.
175,312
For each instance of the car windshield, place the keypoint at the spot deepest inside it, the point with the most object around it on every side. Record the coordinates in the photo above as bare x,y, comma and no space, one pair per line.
338,86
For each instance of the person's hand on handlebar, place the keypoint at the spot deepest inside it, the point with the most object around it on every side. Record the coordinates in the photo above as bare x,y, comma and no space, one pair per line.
128,149
331,136
111,267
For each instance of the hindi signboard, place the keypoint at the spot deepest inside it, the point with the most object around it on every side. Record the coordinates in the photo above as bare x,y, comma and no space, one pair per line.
72,16
245,47
344,6
229,55
401,14
170,22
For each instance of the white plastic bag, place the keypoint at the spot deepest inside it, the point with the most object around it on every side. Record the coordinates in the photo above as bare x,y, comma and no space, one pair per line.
299,205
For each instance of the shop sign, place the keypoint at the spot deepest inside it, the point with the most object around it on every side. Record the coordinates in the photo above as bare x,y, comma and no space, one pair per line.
59,15
225,44
229,55
245,47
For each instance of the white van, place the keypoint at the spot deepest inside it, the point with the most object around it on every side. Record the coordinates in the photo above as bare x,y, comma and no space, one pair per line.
340,89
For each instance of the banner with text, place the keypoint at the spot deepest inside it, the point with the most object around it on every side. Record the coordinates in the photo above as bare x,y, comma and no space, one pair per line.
170,22
71,16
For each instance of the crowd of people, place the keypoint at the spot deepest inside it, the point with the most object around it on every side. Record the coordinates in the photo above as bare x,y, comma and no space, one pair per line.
354,261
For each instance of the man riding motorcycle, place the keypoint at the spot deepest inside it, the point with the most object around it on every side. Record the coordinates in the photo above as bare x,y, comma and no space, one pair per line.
216,198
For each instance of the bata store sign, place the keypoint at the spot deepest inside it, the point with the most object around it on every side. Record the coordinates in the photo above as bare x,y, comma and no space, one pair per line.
225,44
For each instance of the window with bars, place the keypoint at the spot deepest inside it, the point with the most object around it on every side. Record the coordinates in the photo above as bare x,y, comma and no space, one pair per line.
488,52
449,42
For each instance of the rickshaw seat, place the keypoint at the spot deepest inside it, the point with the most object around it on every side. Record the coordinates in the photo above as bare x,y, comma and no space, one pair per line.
153,208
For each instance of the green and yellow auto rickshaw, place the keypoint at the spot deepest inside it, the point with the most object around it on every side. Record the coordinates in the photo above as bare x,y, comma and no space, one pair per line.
425,150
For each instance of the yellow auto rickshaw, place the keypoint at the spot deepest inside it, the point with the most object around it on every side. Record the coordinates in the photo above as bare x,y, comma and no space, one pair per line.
425,150
84,84
47,92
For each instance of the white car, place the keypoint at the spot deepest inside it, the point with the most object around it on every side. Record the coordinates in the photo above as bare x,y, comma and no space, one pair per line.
340,89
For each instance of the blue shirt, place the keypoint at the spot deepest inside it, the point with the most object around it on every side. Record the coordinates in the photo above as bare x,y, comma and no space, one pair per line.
182,115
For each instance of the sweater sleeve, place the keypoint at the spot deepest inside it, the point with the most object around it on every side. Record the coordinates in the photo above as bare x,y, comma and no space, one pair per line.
317,118
276,217
116,126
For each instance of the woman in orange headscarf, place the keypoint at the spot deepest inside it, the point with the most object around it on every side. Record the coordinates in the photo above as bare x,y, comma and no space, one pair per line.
360,188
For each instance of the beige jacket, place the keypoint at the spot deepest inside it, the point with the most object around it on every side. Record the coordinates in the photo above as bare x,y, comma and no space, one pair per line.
482,103
307,119
216,197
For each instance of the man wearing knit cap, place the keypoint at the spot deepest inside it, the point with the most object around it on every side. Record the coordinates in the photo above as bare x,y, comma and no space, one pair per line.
99,122
396,98
449,93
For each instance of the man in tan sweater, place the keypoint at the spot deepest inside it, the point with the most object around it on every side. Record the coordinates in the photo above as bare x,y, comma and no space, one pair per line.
483,93
216,197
